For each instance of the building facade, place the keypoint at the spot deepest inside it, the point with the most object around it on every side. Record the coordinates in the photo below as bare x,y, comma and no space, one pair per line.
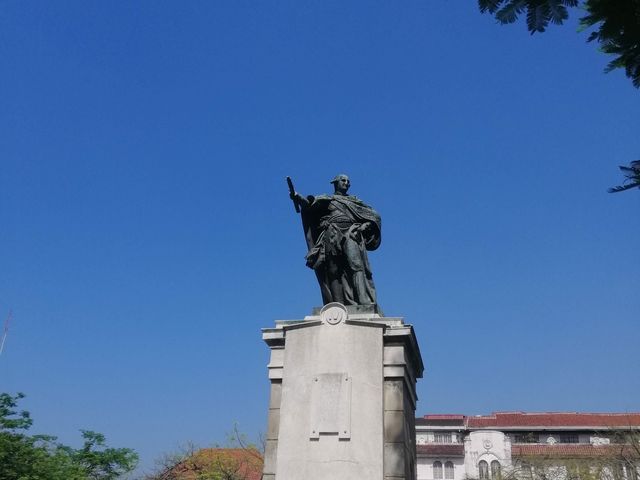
530,446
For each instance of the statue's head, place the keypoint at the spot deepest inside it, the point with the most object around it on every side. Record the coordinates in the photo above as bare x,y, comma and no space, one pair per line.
341,184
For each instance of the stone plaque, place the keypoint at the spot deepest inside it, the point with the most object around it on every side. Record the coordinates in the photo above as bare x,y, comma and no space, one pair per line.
331,405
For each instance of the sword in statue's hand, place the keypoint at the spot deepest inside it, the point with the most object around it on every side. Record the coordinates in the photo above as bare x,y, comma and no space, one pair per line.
292,194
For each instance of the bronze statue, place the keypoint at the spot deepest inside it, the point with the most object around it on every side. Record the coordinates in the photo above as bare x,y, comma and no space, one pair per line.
339,229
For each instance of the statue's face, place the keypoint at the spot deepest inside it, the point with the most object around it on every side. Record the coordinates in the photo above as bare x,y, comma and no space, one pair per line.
342,184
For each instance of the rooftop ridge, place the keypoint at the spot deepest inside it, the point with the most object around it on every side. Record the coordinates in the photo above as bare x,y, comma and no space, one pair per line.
538,419
562,413
444,415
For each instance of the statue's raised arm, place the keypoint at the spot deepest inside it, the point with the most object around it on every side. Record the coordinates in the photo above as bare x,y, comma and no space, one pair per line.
339,230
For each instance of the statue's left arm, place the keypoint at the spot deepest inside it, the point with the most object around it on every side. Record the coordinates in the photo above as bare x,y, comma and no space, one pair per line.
371,235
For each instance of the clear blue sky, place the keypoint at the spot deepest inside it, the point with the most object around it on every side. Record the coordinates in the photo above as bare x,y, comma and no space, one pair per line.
146,234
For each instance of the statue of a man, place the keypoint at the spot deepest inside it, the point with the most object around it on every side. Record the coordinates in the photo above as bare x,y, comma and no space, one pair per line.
339,230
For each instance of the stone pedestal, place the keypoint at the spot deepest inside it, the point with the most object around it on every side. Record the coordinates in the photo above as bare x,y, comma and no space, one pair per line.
342,404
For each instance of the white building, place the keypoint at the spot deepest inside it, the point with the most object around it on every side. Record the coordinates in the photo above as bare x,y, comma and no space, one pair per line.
458,447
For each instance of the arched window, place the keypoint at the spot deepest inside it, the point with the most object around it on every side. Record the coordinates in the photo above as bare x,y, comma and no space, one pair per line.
527,470
448,471
437,470
483,468
496,473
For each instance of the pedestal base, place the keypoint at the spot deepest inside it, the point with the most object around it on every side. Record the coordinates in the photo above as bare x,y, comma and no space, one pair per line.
342,404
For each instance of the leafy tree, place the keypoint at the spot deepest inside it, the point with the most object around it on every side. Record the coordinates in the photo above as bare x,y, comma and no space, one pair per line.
631,177
40,457
100,462
617,23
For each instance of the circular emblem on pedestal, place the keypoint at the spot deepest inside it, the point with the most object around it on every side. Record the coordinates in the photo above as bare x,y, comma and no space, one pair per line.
333,313
487,444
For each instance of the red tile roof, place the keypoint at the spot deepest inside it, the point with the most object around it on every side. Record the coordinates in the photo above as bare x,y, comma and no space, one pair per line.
441,420
443,416
447,450
246,463
520,419
567,450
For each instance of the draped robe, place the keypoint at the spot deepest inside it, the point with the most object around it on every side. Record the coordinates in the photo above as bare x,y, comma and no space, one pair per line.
338,250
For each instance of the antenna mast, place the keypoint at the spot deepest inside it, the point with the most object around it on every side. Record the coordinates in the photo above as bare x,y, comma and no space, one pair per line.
6,330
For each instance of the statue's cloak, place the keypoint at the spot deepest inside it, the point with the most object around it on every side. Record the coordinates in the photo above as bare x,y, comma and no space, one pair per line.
314,222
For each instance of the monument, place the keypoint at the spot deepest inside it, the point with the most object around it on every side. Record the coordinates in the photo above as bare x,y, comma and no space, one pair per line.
339,229
343,397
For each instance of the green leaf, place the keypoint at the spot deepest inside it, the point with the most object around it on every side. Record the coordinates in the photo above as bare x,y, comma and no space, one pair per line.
489,5
509,13
557,12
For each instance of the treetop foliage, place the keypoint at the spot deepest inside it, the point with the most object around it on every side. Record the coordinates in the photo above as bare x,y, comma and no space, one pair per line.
238,459
631,177
210,464
10,419
41,457
617,23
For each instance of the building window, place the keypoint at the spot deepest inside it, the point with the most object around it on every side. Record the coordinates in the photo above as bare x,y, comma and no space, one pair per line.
578,471
526,470
483,468
448,471
569,438
525,438
442,438
437,470
496,472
